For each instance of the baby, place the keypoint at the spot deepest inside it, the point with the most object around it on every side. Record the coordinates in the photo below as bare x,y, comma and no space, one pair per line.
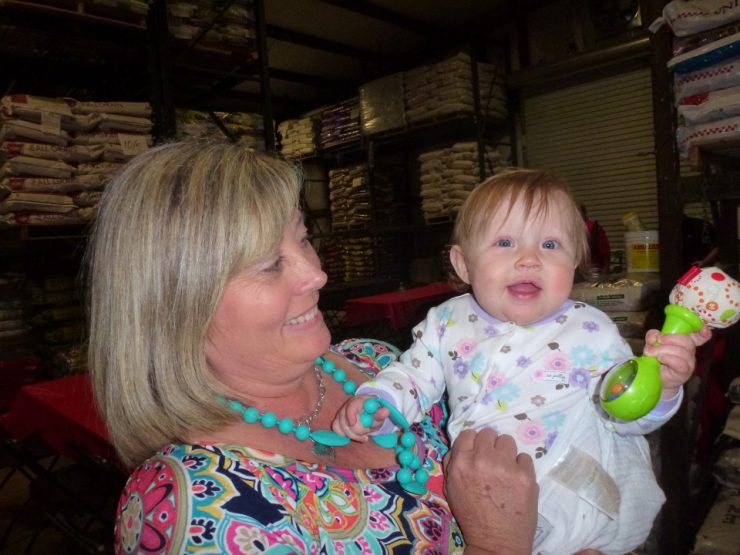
517,355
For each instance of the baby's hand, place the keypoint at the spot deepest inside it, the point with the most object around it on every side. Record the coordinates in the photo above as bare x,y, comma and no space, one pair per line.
677,356
347,421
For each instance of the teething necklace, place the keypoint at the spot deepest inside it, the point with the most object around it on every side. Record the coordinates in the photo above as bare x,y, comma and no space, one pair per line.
411,476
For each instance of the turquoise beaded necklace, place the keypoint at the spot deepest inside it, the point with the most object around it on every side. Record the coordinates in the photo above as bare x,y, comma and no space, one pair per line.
411,476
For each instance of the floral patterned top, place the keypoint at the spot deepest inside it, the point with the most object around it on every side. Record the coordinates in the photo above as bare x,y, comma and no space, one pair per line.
219,499
525,381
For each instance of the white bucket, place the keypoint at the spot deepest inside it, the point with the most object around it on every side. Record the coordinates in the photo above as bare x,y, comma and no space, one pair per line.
643,251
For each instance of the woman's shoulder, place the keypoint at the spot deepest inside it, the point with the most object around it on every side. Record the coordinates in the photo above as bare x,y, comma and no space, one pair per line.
177,498
157,495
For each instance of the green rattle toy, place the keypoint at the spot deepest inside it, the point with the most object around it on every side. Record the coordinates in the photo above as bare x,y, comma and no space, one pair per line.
702,296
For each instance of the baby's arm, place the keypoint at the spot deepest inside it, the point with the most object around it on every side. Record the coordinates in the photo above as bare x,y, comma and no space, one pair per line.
347,421
410,385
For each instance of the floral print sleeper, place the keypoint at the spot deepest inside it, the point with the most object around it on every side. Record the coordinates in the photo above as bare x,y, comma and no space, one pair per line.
219,499
536,383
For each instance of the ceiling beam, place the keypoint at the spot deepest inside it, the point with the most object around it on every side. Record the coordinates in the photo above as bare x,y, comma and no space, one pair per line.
318,43
387,16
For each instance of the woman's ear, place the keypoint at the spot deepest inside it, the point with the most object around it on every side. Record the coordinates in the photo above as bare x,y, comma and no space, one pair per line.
458,262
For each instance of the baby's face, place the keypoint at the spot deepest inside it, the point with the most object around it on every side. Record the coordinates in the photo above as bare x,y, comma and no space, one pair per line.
521,269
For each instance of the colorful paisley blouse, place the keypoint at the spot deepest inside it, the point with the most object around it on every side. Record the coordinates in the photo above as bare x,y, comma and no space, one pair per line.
219,499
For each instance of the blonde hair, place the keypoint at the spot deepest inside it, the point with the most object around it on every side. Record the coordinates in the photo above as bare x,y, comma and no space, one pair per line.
537,189
173,227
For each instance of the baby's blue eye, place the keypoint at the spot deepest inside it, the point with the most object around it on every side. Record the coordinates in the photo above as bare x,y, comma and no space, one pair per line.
503,242
550,244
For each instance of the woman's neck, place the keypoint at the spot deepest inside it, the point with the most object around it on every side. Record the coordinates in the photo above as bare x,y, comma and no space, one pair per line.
256,436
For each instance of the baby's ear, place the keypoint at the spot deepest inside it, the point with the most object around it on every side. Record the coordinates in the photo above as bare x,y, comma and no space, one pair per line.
458,262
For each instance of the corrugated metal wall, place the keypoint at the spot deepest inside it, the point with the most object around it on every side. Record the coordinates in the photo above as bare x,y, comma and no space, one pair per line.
598,135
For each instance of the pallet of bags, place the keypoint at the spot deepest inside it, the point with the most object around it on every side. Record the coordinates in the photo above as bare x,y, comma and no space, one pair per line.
229,30
448,175
706,74
719,533
38,162
340,124
298,137
349,198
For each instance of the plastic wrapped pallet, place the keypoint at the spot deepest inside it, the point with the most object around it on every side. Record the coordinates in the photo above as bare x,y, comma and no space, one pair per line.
627,294
687,17
727,468
382,105
734,391
709,107
340,124
630,324
732,424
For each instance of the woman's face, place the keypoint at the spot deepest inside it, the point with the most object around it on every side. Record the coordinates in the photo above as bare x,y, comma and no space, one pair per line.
267,326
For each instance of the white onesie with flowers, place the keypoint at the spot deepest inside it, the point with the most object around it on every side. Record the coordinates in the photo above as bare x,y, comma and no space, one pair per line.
535,383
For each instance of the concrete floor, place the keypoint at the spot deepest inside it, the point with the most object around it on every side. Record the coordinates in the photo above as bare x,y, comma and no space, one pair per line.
28,530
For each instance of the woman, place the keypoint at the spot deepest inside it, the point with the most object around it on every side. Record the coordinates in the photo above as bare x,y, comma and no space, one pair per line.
204,313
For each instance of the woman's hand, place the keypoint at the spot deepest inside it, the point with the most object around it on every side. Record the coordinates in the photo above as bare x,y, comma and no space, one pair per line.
492,492
677,356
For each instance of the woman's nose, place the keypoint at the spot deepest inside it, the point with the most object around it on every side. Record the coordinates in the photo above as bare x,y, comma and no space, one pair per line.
310,275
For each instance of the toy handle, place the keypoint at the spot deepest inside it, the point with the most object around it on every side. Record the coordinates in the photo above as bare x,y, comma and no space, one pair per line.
632,389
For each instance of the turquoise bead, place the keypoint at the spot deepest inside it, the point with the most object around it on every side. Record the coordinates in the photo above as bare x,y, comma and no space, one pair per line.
269,419
395,415
285,425
302,432
339,375
236,405
388,441
416,463
408,439
349,387
251,415
371,406
421,476
414,487
328,366
405,457
404,475
366,419
329,438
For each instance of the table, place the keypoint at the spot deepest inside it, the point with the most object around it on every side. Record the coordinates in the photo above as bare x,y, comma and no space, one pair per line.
62,413
399,308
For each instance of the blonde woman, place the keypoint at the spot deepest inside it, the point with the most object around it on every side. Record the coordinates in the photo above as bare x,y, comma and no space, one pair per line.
213,369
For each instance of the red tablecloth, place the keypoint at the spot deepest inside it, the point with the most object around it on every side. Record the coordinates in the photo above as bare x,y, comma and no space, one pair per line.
398,307
62,413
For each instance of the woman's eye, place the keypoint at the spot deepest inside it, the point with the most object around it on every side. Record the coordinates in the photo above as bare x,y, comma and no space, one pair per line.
550,244
274,266
503,243
305,241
